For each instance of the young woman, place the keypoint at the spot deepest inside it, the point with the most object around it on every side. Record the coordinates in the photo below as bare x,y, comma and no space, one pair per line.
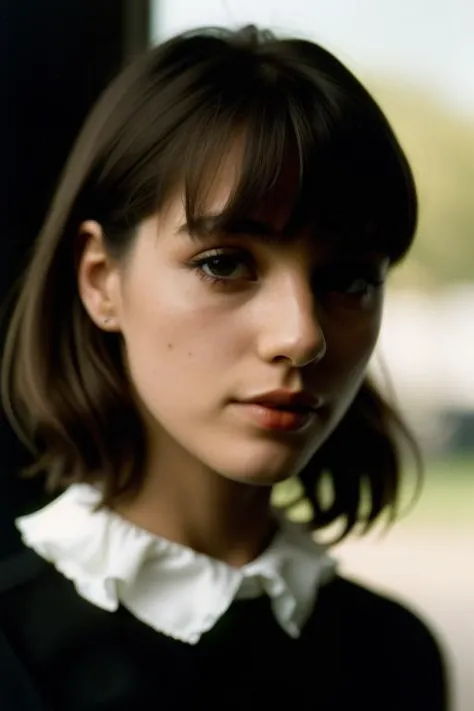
194,327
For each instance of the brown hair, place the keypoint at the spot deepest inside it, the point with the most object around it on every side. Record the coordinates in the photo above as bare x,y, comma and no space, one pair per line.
165,121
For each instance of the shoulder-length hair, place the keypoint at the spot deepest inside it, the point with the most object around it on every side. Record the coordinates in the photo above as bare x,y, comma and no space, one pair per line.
166,122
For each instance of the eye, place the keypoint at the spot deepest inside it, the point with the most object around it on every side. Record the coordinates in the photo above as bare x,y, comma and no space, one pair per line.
360,286
220,266
353,286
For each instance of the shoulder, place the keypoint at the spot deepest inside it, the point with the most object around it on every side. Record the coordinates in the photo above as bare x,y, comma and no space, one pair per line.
380,618
20,568
364,603
17,690
377,633
21,576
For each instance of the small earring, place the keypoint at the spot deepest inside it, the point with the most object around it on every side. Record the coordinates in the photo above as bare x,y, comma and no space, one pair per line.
106,320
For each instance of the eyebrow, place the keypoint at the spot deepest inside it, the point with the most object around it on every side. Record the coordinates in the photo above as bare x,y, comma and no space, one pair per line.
208,226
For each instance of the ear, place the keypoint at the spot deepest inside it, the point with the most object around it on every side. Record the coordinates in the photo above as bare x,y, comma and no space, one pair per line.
98,278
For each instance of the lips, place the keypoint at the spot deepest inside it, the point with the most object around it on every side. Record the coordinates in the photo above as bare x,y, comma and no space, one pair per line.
287,400
282,410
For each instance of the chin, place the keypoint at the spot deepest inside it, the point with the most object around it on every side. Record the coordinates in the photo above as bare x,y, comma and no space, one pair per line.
264,469
256,458
260,478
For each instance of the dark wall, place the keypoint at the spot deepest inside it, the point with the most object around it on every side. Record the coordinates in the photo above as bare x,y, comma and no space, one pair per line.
56,57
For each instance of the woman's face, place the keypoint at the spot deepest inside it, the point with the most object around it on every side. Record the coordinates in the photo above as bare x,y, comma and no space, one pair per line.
210,322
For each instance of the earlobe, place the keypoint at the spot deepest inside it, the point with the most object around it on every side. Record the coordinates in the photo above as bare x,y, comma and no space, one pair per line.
96,276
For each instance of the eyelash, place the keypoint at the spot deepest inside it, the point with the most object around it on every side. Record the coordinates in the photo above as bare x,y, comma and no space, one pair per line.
324,284
225,257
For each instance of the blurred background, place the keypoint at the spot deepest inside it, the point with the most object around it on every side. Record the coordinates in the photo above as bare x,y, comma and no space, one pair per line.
417,58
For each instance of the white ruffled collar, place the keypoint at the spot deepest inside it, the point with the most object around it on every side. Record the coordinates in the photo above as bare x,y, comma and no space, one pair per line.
166,585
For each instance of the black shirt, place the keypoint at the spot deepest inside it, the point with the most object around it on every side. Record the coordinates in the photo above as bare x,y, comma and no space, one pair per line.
358,650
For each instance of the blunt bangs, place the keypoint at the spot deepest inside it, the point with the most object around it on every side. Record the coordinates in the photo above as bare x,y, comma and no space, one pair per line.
354,185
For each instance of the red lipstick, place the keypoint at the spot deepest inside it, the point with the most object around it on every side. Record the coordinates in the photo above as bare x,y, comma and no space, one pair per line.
282,410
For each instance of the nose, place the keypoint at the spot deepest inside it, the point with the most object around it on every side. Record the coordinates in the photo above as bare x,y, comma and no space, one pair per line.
291,330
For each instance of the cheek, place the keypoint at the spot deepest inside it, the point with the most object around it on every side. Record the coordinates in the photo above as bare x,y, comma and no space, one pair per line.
169,329
350,345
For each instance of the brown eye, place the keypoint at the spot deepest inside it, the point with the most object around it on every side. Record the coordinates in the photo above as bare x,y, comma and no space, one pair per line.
224,267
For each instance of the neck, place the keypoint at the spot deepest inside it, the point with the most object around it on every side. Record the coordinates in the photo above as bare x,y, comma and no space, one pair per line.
185,502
